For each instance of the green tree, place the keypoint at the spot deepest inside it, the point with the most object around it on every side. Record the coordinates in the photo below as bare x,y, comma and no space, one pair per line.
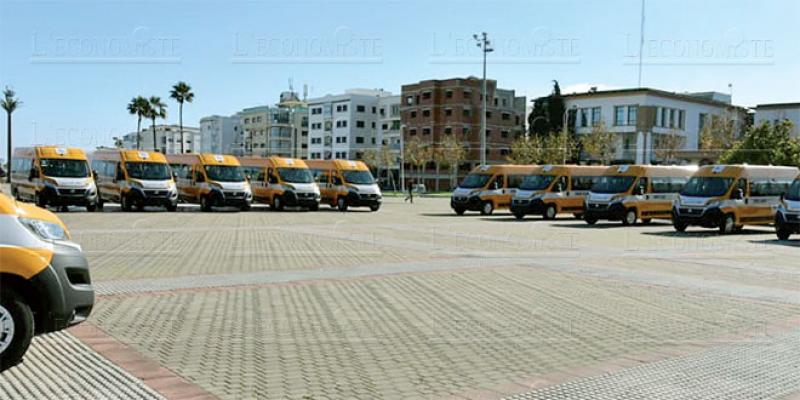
547,113
10,103
718,135
600,144
557,148
525,150
765,144
139,107
453,153
417,153
181,92
667,145
156,109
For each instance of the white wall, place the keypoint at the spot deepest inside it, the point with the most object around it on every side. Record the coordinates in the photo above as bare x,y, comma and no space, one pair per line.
779,114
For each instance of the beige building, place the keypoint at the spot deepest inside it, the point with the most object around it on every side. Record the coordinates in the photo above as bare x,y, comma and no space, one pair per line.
273,130
168,139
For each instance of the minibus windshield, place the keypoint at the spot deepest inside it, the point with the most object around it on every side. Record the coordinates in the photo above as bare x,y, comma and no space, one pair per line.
295,175
473,181
148,171
613,184
358,177
225,173
536,182
65,168
706,186
794,191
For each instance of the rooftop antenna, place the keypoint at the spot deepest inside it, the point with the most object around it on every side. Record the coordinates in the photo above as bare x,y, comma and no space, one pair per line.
305,92
641,45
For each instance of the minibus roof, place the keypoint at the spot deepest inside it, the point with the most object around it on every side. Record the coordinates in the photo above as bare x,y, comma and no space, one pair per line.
130,155
203,158
64,153
651,170
570,169
273,161
504,169
747,171
352,165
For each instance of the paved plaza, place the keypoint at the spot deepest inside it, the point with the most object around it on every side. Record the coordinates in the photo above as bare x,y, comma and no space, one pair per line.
413,302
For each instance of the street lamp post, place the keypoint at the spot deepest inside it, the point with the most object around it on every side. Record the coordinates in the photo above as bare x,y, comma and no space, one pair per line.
402,159
565,128
482,41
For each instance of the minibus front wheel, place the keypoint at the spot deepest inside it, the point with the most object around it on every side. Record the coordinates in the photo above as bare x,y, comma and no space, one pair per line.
679,224
629,218
205,204
487,208
550,212
727,224
16,327
459,210
341,203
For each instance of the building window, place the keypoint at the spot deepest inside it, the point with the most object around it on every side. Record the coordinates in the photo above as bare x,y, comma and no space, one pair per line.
409,100
316,110
702,121
448,130
359,124
413,114
584,121
506,117
663,117
595,116
375,109
619,115
359,139
465,130
426,113
633,115
467,94
426,95
448,112
488,115
681,119
671,117
426,131
504,134
360,108
385,127
448,94
412,132
465,113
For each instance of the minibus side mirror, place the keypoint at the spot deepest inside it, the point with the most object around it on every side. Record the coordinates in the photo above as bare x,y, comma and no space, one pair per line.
34,173
273,179
174,176
94,174
638,191
737,194
200,178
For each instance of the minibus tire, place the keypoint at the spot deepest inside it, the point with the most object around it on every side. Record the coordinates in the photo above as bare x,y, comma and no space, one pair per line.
91,207
782,232
22,317
314,207
725,227
647,220
460,210
125,203
341,204
627,221
374,207
519,215
99,203
590,220
578,215
487,208
245,207
172,207
205,206
550,212
277,204
680,226
39,200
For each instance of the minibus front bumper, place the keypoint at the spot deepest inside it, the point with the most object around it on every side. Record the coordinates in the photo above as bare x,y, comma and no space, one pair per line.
160,197
471,203
600,211
231,198
364,199
527,206
64,290
296,199
705,217
69,196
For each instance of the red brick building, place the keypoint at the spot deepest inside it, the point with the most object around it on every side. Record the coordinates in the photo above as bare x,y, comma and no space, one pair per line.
431,109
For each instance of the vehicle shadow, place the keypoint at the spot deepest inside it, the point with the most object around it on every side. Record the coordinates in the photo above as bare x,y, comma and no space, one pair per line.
705,233
606,225
452,214
776,242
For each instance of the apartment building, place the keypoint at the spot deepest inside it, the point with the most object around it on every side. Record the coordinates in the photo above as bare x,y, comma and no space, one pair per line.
775,113
432,109
219,133
346,125
642,116
168,139
272,131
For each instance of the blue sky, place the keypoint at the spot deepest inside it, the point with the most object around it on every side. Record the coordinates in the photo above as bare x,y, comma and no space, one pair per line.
76,64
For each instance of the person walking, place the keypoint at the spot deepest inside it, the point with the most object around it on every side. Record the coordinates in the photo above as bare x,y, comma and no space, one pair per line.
410,195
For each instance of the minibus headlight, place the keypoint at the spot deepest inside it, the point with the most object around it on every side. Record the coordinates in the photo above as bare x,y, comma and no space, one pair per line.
135,185
215,186
50,182
44,230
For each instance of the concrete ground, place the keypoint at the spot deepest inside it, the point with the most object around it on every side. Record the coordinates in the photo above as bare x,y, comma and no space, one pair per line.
413,302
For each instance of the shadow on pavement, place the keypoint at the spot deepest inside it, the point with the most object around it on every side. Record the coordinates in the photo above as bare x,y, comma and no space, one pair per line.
705,233
776,242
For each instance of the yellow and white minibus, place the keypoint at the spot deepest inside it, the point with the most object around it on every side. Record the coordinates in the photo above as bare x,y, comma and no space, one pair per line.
134,179
554,189
281,182
45,284
346,183
488,188
727,197
53,176
629,193
211,180
787,218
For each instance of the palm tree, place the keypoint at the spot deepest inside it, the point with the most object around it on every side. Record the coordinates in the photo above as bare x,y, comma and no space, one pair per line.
181,92
138,106
9,103
156,109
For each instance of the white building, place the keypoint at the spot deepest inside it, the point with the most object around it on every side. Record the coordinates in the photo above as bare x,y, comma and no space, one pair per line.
778,112
639,116
218,133
168,139
280,130
346,125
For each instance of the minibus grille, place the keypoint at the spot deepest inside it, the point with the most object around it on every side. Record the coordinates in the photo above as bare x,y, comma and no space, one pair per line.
596,206
691,211
793,217
156,193
234,195
369,196
306,195
72,192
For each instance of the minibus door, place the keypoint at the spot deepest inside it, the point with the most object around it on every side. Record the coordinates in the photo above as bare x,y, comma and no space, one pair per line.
259,185
193,190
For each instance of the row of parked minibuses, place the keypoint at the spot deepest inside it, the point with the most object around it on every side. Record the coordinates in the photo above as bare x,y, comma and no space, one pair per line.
61,177
724,197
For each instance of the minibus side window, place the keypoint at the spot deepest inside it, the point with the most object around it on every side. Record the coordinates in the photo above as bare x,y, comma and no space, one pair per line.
514,181
641,186
199,177
337,180
120,175
741,184
560,185
497,183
